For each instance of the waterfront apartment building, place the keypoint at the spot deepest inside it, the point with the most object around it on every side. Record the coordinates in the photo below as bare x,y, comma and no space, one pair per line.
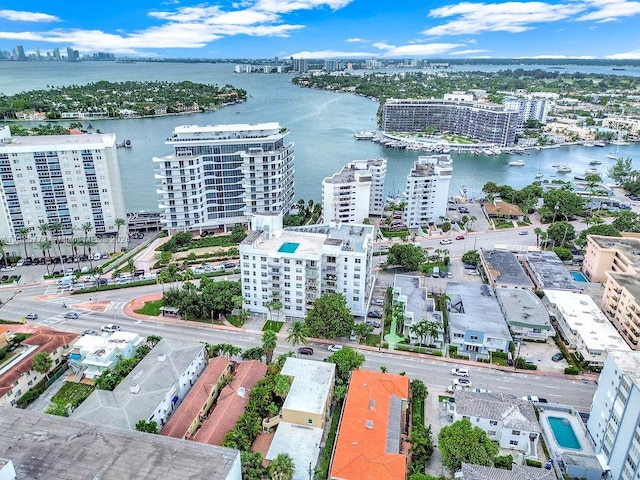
296,265
68,180
614,254
614,421
529,108
488,123
428,190
219,175
621,305
356,192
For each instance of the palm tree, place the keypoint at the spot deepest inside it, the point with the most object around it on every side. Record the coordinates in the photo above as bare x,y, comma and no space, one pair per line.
282,467
44,229
3,243
24,236
75,243
86,228
539,232
269,342
44,245
298,333
119,223
90,244
56,230
42,363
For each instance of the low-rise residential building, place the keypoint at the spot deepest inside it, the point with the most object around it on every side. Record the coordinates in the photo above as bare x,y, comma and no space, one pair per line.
17,376
505,418
621,305
504,270
501,210
583,327
231,402
525,314
354,193
518,472
418,307
91,354
48,446
548,271
374,419
615,254
296,265
428,190
305,411
152,391
197,404
476,324
614,422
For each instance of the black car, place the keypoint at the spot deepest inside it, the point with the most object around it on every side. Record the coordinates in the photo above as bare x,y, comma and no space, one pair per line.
305,351
557,357
469,267
373,323
375,314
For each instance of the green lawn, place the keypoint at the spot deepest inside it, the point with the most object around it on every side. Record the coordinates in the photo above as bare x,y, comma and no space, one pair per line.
235,321
272,325
73,393
150,308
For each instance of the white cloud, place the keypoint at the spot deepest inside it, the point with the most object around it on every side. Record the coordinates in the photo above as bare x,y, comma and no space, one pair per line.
422,50
633,55
355,40
330,54
21,16
514,17
559,57
468,52
285,6
610,10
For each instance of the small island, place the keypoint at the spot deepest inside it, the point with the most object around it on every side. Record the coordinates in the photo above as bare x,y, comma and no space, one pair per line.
117,100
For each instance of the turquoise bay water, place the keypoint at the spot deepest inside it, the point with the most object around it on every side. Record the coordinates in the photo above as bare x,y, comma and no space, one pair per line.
321,125
563,433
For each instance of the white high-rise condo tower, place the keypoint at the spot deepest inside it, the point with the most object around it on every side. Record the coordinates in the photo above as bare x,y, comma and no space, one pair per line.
428,190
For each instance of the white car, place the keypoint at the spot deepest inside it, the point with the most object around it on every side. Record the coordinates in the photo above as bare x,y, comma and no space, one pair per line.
110,327
446,241
481,390
464,382
453,388
473,272
334,348
530,398
460,372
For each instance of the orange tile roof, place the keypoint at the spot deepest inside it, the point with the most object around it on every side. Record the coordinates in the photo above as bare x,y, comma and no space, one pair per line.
230,405
502,208
360,452
183,417
46,340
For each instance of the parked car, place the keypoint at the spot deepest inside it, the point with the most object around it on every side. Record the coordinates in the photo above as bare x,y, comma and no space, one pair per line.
473,272
481,390
20,263
375,314
377,302
110,327
557,357
468,266
523,232
460,372
446,241
534,399
305,351
229,265
463,210
453,388
89,332
352,336
373,323
449,275
465,382
72,315
460,237
31,316
334,348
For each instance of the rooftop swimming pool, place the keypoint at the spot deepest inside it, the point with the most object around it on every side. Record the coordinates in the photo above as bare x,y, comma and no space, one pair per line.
563,433
579,277
288,247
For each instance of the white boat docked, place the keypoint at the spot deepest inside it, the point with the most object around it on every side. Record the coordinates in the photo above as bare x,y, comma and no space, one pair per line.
591,171
613,156
364,135
595,162
539,175
563,169
517,163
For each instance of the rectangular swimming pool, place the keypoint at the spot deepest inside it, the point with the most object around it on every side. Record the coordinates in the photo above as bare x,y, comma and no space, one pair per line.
579,277
563,433
288,247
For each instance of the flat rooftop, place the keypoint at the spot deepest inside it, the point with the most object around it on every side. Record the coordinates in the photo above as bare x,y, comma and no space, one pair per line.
505,268
474,307
549,272
523,308
44,446
59,142
627,246
350,174
629,362
312,382
582,315
417,301
630,282
301,442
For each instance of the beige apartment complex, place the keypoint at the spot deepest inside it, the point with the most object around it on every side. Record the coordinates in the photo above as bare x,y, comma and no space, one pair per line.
615,254
621,305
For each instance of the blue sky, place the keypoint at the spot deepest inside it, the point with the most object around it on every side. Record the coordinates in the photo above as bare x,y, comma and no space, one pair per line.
327,28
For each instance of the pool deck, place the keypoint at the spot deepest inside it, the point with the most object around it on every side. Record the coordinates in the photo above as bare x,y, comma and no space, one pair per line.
555,450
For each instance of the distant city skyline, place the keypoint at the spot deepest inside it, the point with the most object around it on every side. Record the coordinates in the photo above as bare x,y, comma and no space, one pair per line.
325,29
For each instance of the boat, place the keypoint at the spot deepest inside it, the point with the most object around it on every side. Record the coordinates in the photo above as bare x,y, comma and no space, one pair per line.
599,144
517,163
613,156
364,135
124,144
618,68
539,175
588,144
563,169
591,171
595,162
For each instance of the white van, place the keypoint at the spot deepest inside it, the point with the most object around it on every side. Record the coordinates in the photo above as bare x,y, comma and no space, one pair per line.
66,281
97,256
436,272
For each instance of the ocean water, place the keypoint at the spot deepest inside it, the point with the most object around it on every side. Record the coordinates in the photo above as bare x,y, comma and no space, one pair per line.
321,125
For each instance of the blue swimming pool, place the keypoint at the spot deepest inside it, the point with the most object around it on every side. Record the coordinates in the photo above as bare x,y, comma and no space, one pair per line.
579,277
288,247
563,433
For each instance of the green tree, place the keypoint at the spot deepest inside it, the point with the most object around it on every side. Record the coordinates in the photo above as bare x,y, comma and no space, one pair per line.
252,468
254,353
269,342
346,360
282,467
23,233
297,333
329,317
86,228
362,330
119,223
622,171
604,230
472,257
561,233
561,203
408,256
3,244
238,233
42,363
44,246
627,221
153,340
150,426
426,329
462,442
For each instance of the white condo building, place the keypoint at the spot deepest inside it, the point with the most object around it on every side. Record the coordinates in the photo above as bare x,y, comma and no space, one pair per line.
428,190
354,193
614,422
529,108
296,265
65,179
219,175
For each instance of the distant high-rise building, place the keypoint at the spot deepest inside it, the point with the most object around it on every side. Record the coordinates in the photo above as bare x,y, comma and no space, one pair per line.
20,55
332,65
72,55
528,108
428,190
220,175
56,54
37,53
300,65
356,192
